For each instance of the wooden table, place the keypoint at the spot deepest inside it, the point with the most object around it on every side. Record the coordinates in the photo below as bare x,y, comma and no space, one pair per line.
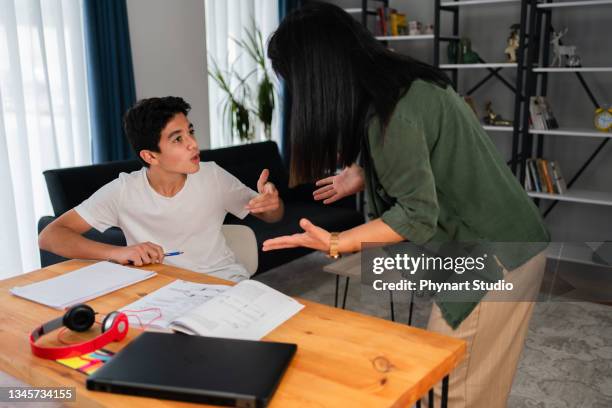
344,359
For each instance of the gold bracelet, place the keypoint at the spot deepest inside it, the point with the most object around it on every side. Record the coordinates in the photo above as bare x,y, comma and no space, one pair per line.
334,240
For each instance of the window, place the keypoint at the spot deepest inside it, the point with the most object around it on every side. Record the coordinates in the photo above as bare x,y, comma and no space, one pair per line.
44,120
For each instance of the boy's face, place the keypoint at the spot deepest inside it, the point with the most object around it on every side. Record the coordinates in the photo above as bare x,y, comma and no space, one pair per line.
179,152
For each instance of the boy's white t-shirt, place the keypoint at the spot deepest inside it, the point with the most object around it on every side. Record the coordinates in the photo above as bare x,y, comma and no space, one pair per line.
190,221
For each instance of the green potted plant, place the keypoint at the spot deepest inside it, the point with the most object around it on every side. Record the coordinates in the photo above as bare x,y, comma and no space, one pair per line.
253,45
234,108
238,109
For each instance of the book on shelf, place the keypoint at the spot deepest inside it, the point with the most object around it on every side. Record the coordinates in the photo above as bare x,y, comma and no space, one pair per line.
540,114
558,179
532,173
381,20
544,176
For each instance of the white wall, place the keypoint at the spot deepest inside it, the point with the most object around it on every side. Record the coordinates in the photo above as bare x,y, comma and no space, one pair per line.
169,55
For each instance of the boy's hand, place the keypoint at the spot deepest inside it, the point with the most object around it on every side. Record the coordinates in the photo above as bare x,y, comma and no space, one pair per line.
268,199
140,254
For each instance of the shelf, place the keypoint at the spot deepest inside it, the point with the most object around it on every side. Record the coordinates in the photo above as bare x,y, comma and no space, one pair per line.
574,252
577,196
479,66
571,132
498,128
475,2
576,69
358,10
575,4
405,37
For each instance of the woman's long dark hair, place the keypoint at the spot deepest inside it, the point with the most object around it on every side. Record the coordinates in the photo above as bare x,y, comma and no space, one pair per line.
335,71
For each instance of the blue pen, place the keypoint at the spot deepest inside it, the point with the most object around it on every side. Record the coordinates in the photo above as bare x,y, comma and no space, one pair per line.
173,253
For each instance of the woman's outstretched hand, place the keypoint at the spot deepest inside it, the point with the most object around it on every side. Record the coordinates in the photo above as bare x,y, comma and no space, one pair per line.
348,182
313,237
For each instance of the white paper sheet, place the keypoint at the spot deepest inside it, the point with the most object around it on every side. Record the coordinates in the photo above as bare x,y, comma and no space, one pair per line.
82,284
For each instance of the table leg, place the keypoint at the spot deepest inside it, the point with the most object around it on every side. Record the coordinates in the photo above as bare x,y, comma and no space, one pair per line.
345,291
411,307
444,401
336,295
392,306
418,404
431,398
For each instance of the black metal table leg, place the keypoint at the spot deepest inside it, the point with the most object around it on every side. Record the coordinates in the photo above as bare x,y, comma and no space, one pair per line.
336,295
391,305
411,307
418,404
345,292
431,398
444,402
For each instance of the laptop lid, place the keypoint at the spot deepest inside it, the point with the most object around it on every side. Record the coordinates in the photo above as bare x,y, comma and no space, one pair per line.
211,370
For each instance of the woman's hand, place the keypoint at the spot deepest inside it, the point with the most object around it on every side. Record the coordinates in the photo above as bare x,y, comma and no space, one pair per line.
348,182
313,237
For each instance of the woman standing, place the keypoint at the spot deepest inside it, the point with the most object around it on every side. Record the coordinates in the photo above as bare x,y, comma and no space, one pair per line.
430,174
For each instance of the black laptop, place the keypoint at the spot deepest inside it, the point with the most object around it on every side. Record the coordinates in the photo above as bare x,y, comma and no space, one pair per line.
210,370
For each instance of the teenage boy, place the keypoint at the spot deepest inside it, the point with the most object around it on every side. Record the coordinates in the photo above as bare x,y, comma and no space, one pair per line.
173,204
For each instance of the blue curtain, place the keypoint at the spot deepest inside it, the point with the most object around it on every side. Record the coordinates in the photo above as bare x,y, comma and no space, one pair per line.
111,77
285,7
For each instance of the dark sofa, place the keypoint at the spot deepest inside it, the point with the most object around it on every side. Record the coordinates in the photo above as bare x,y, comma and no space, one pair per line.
68,187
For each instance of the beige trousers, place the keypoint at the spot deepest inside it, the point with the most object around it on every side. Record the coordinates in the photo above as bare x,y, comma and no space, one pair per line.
495,332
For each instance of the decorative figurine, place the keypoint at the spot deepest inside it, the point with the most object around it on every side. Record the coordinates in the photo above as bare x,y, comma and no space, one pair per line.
467,56
429,29
603,119
493,118
414,28
513,43
560,51
470,101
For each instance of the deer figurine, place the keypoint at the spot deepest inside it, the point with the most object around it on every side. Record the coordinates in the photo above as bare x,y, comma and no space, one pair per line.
560,51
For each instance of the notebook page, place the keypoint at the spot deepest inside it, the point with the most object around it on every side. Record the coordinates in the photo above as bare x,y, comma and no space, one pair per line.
159,308
82,284
247,311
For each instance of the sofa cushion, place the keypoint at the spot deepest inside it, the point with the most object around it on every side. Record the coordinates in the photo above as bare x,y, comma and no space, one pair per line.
246,163
68,187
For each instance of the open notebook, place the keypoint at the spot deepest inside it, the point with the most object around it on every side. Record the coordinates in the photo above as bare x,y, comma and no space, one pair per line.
249,310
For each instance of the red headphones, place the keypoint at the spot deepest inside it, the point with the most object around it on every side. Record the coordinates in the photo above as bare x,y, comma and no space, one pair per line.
80,318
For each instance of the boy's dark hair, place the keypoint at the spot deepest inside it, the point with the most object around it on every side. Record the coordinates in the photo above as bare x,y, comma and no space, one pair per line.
144,122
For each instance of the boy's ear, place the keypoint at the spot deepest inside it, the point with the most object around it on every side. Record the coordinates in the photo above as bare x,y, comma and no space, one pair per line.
148,156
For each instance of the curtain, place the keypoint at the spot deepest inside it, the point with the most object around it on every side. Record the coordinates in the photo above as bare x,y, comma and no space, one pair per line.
227,20
112,90
44,120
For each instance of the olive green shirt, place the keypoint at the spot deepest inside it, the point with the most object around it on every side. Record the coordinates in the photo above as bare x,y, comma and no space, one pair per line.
435,176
